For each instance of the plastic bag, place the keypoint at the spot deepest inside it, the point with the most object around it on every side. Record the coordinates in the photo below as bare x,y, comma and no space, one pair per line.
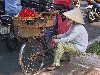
13,6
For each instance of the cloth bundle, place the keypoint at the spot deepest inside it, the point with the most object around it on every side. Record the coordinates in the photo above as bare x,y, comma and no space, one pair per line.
65,2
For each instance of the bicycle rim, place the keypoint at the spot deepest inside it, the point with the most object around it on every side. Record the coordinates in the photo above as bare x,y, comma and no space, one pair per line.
31,57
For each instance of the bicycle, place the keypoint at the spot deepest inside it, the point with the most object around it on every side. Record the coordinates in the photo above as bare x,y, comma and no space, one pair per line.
34,53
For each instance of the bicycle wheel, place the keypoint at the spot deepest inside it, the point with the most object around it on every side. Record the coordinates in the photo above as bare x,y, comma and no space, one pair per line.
31,57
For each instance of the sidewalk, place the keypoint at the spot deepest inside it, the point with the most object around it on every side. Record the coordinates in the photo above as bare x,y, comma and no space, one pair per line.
87,65
71,69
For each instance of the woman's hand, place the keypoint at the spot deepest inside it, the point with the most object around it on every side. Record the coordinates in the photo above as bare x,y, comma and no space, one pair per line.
53,37
52,41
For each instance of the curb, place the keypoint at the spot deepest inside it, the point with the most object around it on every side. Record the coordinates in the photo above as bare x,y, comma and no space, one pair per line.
94,40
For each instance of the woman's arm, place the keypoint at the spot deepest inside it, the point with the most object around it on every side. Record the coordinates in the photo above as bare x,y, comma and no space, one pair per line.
70,37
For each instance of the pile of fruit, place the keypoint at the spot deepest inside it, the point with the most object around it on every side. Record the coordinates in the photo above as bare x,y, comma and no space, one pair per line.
27,13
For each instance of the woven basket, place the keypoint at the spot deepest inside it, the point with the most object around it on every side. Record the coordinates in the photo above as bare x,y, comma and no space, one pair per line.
48,22
33,30
26,32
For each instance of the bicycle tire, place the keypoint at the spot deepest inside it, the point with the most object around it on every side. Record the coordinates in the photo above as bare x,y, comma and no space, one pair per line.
31,57
11,40
11,43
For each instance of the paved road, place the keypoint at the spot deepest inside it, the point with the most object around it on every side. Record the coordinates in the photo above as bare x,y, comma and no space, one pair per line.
92,28
9,60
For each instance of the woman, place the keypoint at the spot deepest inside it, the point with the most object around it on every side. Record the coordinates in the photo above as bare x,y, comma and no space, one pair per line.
75,40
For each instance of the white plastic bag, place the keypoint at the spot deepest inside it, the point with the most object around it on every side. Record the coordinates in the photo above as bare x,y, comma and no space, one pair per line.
13,6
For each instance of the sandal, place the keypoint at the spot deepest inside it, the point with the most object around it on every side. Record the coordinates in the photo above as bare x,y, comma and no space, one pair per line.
52,67
62,59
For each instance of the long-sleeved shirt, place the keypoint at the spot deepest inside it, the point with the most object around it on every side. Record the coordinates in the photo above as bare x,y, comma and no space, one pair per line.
77,35
13,6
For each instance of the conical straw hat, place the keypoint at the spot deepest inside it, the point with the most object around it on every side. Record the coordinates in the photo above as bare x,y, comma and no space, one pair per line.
75,15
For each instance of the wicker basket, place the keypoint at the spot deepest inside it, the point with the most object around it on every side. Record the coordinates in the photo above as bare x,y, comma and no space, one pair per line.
27,32
33,30
48,22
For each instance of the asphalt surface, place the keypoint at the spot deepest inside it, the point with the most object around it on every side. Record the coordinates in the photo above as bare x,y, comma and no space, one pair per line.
9,60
